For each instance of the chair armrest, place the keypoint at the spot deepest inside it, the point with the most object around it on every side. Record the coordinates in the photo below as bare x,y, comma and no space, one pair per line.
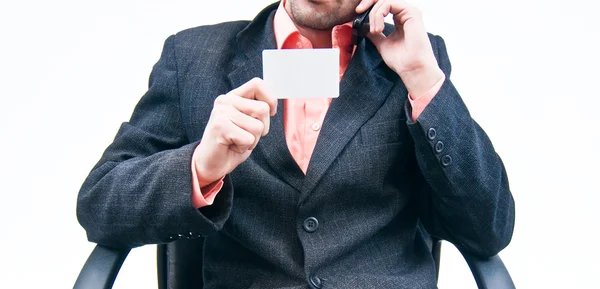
489,273
101,268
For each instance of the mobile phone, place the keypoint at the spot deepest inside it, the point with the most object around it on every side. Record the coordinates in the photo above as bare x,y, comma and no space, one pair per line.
360,26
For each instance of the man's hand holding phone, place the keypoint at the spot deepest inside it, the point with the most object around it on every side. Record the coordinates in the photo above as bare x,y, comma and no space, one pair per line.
407,50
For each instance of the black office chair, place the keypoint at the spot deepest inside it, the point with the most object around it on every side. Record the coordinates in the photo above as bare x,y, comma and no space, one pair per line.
178,264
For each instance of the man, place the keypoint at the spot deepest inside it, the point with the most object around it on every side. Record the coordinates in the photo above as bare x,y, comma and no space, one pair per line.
303,193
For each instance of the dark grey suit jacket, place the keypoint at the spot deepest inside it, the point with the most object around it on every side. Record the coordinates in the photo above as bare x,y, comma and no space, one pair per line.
373,176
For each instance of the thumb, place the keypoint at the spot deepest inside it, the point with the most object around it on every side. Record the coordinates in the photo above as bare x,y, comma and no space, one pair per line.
377,39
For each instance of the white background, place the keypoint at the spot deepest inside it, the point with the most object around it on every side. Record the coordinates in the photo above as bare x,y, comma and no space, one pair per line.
72,71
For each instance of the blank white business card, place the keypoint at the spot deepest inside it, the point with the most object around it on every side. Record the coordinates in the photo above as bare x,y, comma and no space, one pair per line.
302,73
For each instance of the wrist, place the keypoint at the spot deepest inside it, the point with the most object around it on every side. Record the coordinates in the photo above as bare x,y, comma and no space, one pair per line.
205,177
420,80
203,174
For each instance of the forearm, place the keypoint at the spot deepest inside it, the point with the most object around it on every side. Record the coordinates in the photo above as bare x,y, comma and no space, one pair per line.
146,200
471,203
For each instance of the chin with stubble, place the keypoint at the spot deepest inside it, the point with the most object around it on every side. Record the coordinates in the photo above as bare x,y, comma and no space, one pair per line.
321,14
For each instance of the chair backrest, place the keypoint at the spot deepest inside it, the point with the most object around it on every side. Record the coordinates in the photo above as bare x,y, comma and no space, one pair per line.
179,263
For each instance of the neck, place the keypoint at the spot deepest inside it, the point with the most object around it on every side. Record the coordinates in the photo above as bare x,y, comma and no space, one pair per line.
318,38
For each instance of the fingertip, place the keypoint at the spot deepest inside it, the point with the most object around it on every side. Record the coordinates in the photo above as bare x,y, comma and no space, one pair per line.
256,82
273,106
364,5
359,9
268,96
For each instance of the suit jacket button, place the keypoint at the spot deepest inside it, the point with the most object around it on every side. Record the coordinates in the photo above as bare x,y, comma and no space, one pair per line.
310,224
446,160
439,147
316,282
431,133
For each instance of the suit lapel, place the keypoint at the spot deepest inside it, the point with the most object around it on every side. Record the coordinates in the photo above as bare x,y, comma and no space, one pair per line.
363,90
247,64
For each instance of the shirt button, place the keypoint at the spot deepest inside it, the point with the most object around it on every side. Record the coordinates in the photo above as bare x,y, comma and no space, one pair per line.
299,44
310,224
316,126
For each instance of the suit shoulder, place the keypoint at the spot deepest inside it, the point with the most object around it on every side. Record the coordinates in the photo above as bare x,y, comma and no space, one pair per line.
210,35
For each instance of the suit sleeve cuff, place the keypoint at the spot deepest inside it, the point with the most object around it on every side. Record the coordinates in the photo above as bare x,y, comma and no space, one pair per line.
203,196
419,104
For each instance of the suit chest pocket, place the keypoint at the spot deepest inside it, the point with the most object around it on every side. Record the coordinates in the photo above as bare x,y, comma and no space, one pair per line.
384,132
